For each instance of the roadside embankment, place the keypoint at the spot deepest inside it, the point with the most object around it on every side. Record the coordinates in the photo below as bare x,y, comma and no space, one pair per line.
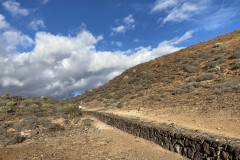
188,143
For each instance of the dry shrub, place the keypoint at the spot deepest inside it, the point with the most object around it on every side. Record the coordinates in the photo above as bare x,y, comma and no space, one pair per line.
27,123
205,76
234,55
55,127
235,65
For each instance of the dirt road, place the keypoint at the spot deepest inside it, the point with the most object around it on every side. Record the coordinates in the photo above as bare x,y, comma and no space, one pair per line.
89,139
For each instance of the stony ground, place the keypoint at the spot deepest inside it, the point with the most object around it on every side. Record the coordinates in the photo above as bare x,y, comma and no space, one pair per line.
89,139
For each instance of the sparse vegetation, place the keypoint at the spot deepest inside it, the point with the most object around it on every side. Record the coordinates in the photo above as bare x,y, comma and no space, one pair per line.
205,76
55,127
119,105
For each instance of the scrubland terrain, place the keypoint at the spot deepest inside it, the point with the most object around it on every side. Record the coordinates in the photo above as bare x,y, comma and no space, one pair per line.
197,88
43,128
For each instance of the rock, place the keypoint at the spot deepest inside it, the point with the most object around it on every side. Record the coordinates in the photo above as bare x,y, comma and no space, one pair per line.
224,155
178,149
230,148
198,156
212,152
205,146
190,153
184,152
171,148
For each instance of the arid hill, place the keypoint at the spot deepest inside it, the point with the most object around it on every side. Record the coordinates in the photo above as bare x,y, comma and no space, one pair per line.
197,87
203,70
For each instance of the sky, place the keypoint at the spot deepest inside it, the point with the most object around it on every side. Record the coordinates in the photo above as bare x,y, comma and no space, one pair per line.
61,48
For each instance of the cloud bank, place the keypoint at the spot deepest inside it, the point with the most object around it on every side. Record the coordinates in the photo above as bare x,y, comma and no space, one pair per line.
59,66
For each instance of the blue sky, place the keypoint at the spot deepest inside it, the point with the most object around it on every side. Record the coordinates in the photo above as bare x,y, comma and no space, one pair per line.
60,48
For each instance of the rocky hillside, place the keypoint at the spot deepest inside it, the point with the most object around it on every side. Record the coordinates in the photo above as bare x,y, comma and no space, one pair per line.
205,75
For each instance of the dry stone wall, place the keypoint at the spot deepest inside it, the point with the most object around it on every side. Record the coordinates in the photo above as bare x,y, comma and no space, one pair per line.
191,144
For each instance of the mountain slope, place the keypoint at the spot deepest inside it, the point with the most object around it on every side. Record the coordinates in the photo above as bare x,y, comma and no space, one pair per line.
197,87
208,68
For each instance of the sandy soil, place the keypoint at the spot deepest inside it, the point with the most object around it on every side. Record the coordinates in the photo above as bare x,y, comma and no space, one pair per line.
90,139
219,123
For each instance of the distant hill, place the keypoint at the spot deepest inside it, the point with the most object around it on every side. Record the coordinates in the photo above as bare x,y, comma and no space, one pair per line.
206,74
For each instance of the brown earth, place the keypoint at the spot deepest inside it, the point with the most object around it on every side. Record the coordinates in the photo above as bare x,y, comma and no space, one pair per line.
197,87
89,139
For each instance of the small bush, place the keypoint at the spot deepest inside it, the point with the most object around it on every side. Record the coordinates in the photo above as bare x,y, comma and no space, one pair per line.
235,65
191,79
27,103
234,55
71,110
6,95
205,76
210,64
217,91
204,55
11,103
32,108
28,123
6,109
14,137
220,61
48,105
187,61
217,57
197,84
192,69
119,105
188,88
176,91
55,127
206,85
218,45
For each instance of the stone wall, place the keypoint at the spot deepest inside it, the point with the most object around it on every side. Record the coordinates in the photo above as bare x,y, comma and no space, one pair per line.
188,143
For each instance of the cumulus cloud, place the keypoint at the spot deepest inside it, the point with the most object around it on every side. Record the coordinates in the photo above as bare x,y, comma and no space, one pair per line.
3,23
14,8
119,29
60,66
37,24
14,38
178,10
127,23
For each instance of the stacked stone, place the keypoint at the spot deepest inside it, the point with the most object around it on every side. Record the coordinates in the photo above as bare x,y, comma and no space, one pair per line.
191,144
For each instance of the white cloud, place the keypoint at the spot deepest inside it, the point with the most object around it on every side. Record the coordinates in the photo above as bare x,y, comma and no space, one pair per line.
119,29
161,5
178,10
45,1
60,66
128,23
129,19
14,38
136,40
178,40
37,24
117,43
3,23
14,8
